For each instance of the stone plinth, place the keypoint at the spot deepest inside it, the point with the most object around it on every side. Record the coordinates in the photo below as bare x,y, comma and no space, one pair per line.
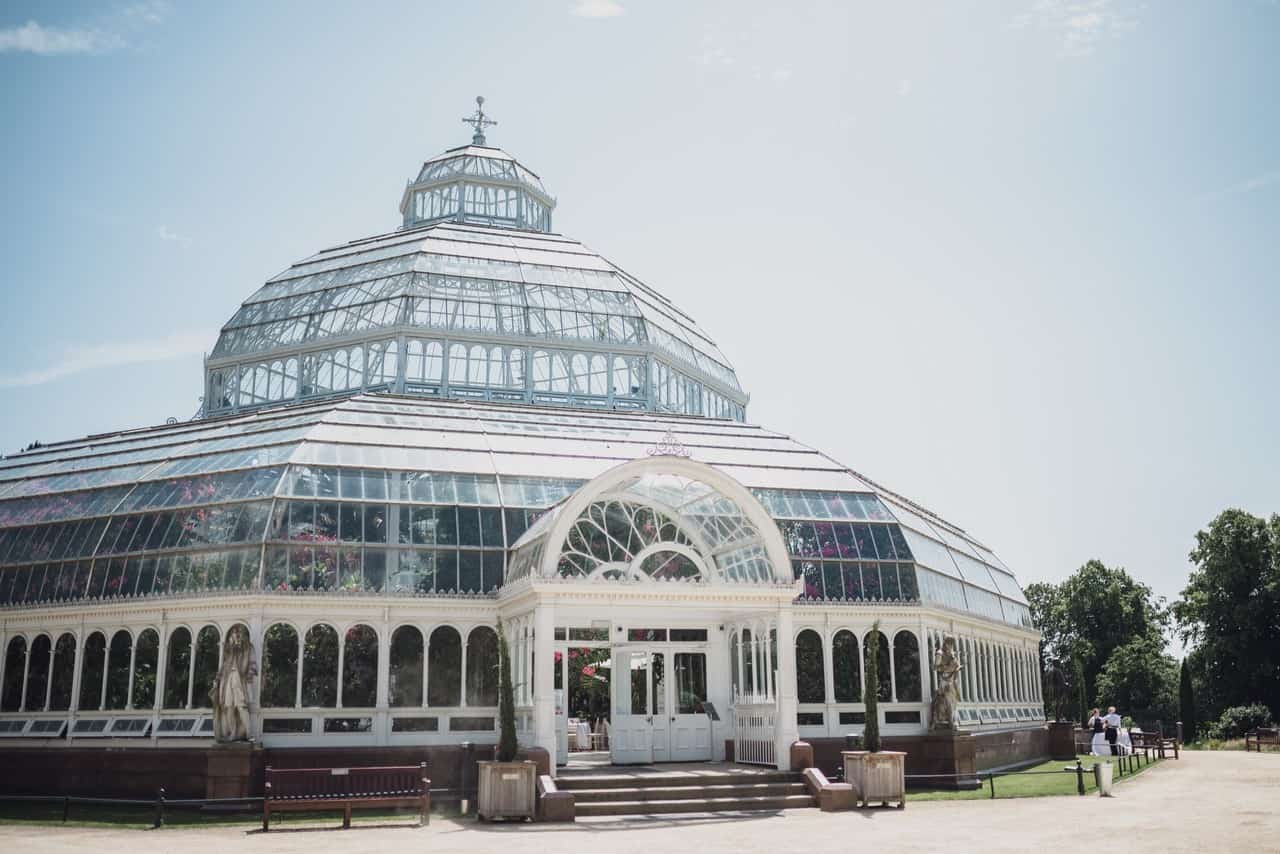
1062,740
230,769
947,752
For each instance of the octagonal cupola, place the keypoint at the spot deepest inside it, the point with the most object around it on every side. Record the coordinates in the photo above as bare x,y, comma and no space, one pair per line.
477,184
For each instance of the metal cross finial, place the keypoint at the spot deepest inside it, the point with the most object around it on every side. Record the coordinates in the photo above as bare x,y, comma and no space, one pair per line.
479,122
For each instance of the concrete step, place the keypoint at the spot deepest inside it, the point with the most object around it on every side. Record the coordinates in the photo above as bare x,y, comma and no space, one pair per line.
690,791
576,781
698,805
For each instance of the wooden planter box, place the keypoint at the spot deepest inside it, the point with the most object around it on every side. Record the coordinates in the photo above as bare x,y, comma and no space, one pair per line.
507,790
876,777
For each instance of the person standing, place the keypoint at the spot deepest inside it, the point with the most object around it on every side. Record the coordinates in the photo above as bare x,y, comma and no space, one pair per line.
1112,721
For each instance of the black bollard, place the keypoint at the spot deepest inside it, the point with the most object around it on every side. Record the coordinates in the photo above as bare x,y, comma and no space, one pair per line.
159,808
468,760
1079,778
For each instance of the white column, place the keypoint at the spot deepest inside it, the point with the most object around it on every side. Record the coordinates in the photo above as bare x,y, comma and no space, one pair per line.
78,664
544,705
893,676
786,729
48,682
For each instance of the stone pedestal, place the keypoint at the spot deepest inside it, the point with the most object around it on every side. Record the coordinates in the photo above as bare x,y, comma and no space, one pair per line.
230,769
1062,740
948,752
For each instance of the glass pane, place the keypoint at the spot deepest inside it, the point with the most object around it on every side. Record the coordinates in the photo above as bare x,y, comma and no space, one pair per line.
691,683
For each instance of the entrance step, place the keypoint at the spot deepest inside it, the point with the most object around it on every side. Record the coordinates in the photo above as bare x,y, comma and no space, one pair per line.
644,792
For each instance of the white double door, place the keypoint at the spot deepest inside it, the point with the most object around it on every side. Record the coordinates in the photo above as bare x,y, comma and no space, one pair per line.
658,705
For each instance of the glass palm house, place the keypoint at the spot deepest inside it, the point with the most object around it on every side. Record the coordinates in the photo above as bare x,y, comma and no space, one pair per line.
410,437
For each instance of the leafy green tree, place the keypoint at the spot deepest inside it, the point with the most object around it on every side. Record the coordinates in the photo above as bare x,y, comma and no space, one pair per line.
871,691
1092,613
1082,699
1186,702
507,745
1141,681
1230,611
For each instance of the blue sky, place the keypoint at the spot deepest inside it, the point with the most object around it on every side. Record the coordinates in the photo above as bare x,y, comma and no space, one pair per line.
1015,260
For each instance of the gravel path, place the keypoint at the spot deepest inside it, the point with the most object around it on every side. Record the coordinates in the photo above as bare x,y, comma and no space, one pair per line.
1227,801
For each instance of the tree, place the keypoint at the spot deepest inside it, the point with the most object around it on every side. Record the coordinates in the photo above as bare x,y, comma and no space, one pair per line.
1186,702
871,690
1082,699
507,745
1141,681
1230,611
1088,616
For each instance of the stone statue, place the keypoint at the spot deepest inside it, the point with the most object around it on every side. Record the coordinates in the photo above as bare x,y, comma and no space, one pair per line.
947,667
230,691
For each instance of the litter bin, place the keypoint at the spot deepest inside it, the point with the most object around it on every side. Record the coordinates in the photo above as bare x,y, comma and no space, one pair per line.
1102,776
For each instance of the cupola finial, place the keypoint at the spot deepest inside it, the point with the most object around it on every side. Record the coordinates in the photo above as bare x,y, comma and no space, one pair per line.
479,122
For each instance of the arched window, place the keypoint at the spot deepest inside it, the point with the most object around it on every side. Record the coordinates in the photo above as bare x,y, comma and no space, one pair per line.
360,668
482,667
320,667
883,675
809,679
846,667
38,673
64,671
444,668
906,666
118,670
15,666
405,676
92,665
205,670
146,660
177,669
280,667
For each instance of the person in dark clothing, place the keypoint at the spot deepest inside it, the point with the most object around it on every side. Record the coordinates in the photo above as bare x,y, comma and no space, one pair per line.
1112,721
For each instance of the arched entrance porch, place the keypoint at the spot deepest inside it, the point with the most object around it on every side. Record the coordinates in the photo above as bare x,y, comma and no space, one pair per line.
659,561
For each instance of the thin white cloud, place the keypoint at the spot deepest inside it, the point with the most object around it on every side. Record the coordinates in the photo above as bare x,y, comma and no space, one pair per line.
1082,25
109,32
598,9
165,234
1248,185
34,38
175,345
904,87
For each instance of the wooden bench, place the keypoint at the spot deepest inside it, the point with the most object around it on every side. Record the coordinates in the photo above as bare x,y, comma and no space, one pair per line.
311,789
1155,740
1255,738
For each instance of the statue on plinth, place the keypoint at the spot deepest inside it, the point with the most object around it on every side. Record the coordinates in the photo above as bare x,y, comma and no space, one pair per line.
947,667
230,691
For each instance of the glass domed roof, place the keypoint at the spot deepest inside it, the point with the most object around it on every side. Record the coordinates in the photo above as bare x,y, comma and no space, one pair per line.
473,297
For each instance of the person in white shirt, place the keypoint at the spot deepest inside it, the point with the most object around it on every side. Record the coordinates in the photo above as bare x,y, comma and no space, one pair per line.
1112,720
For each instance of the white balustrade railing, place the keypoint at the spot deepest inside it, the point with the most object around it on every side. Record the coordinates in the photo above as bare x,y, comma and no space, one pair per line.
755,733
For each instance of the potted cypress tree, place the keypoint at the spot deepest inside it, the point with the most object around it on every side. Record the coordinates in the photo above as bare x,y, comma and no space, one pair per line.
876,775
507,786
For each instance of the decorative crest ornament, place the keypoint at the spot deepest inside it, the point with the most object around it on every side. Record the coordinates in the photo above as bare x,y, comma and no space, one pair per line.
668,446
479,122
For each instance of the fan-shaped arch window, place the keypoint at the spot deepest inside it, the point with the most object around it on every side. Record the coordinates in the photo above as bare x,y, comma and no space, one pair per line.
846,668
360,668
482,667
146,659
15,667
92,667
405,676
177,669
444,667
906,666
809,671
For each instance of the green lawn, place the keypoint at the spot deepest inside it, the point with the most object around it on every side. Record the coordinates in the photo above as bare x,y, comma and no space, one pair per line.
1020,785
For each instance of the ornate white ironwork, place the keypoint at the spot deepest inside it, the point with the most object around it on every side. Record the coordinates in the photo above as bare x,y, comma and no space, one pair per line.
668,446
